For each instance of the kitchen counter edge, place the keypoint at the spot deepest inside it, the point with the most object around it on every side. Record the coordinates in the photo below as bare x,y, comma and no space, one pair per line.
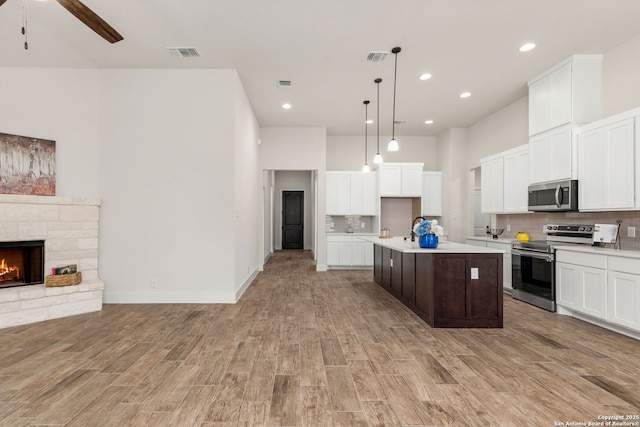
407,246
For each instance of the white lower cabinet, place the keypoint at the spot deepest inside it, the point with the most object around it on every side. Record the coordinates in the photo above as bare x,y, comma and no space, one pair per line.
604,287
624,292
582,288
349,251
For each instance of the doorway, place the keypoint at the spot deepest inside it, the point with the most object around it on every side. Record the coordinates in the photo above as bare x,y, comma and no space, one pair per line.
292,219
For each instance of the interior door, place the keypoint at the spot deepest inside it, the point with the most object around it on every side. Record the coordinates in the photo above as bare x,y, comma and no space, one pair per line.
292,219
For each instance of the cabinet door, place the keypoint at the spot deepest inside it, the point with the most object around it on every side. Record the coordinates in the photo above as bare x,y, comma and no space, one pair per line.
369,194
396,271
332,253
412,181
559,142
390,180
432,194
357,253
332,194
619,165
568,288
377,263
356,188
368,254
492,183
550,100
516,182
624,299
550,155
344,253
560,96
590,193
594,292
606,167
338,193
482,297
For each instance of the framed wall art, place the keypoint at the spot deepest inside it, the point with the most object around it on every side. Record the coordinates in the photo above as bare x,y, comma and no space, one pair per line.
27,165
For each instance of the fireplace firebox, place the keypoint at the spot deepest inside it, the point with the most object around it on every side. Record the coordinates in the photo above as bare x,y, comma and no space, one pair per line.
21,263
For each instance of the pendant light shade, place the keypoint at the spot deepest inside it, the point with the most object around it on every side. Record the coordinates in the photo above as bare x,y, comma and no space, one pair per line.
393,144
378,158
365,167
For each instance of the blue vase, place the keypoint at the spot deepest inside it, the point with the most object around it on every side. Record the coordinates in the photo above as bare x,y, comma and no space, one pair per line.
428,241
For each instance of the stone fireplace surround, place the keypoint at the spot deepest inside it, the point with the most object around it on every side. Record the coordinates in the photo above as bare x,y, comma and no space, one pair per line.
69,227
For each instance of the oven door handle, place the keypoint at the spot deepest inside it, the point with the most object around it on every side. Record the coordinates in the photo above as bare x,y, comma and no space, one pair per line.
530,254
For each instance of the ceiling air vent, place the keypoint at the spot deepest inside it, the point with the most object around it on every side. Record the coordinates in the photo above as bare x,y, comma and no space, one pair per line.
184,52
284,83
399,122
377,56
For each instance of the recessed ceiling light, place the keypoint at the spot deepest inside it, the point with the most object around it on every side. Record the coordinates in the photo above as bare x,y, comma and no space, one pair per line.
425,76
527,47
286,106
465,94
369,121
428,122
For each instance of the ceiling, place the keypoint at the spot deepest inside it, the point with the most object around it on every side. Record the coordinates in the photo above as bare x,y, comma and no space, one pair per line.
321,46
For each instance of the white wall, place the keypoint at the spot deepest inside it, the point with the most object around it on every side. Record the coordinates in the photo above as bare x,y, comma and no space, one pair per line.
621,68
167,175
299,149
60,105
247,191
346,153
293,180
452,152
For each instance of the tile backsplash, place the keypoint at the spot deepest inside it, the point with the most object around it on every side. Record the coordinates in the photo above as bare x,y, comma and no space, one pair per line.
532,223
340,224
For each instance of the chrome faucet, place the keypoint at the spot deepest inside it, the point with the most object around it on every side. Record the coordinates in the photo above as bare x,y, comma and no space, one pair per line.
413,234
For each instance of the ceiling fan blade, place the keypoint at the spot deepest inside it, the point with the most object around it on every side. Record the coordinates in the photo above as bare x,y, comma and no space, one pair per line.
90,19
2,2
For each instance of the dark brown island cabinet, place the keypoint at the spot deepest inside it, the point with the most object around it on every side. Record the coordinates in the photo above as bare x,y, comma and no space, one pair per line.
447,290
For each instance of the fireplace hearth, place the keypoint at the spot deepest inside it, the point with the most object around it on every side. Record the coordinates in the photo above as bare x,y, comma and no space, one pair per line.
21,263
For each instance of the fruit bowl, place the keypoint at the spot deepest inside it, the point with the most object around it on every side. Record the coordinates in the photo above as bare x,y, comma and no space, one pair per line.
495,232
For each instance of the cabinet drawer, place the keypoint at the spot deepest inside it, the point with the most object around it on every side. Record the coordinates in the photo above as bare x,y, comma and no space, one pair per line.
581,258
624,265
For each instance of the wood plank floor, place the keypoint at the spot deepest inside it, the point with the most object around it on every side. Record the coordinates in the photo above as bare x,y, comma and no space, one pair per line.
303,348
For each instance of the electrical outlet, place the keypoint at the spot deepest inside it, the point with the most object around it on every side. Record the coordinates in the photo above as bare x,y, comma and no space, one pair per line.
154,283
508,227
362,225
474,273
631,232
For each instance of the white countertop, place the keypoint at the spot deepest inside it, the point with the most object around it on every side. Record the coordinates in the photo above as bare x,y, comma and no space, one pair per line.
600,251
344,233
407,246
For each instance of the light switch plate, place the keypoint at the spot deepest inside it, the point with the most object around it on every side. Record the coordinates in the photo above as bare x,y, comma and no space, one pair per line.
631,232
474,273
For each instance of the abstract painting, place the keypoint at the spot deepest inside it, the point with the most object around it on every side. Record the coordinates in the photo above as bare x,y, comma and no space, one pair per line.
27,165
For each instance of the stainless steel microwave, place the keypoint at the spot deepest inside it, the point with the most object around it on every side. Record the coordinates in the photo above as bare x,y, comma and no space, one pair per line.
560,196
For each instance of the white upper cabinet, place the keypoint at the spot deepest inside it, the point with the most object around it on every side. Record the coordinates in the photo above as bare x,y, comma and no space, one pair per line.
432,194
570,92
606,165
492,184
351,193
504,181
562,97
400,179
551,155
516,180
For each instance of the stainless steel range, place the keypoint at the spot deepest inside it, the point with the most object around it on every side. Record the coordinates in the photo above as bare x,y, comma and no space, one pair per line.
533,263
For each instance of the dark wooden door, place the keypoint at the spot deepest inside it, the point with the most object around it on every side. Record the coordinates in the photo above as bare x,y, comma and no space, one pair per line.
292,219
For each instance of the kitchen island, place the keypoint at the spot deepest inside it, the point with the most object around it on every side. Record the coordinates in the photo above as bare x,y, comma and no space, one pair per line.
451,286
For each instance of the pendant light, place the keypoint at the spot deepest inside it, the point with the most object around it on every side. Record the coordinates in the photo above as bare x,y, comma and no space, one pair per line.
393,144
365,168
378,158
